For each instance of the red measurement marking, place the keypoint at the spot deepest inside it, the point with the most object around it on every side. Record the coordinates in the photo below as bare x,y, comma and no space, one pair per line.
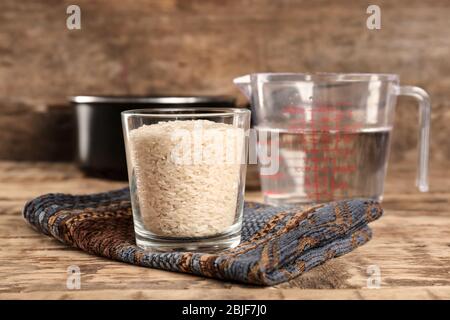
338,108
320,149
272,192
325,146
332,169
340,185
276,176
317,149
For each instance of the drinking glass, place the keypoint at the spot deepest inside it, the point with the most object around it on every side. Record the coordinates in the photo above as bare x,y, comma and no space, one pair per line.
186,169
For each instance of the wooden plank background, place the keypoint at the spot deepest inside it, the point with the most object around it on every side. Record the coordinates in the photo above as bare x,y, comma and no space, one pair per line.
198,47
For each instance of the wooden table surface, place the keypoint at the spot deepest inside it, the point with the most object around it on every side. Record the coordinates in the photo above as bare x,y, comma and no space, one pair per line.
410,248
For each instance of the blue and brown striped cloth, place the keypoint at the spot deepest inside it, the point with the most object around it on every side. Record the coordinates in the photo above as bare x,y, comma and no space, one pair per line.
278,243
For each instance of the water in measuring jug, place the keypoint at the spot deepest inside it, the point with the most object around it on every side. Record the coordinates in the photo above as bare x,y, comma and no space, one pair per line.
319,166
333,131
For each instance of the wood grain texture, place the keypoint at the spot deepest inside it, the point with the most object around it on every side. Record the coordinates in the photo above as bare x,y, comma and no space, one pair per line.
411,246
193,47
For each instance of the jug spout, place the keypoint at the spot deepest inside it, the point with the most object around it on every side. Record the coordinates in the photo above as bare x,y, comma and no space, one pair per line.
244,84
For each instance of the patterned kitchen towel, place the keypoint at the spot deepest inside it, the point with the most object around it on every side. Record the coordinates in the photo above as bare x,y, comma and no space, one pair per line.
278,243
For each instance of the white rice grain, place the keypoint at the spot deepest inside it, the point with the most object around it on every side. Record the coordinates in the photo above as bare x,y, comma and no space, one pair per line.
187,175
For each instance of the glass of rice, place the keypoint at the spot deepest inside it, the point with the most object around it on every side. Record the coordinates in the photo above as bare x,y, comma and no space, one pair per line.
186,169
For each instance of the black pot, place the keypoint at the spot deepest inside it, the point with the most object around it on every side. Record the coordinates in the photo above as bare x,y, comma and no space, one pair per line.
100,146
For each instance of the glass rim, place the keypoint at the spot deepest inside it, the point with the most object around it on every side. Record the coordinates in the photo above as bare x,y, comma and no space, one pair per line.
323,77
209,112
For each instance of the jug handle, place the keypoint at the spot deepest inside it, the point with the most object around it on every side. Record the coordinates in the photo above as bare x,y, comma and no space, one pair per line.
424,132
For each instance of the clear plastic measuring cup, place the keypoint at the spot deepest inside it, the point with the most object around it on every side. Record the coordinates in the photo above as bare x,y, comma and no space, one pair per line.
326,136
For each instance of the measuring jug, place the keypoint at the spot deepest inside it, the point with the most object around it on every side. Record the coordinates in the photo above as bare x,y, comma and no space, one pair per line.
326,136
